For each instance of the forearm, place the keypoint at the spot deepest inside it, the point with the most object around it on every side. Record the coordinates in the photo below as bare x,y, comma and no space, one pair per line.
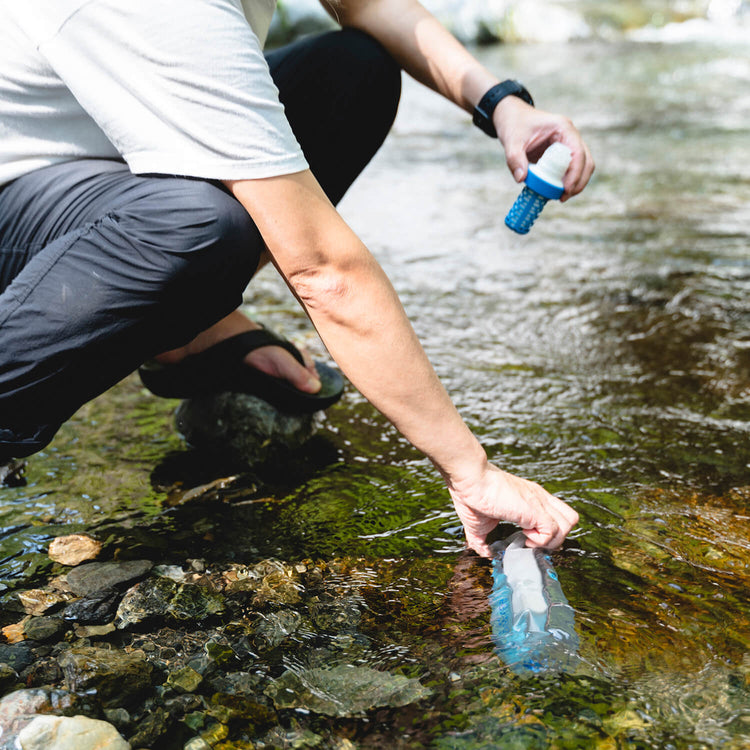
422,46
360,318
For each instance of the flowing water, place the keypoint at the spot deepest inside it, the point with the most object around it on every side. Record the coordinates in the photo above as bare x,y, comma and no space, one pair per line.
606,355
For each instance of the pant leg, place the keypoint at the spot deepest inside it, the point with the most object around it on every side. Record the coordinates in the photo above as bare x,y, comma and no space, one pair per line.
340,91
99,270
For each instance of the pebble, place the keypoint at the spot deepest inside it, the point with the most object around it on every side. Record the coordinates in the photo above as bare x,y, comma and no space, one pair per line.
70,733
74,549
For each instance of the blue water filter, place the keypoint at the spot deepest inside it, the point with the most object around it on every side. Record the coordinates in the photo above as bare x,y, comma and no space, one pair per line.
543,183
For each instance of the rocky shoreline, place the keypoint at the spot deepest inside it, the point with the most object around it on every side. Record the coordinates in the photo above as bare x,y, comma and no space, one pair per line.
120,654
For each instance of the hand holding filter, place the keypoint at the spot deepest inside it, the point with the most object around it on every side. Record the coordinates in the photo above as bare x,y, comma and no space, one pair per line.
543,182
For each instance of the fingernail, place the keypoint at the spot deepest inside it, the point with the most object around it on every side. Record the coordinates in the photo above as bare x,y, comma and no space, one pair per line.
314,384
518,174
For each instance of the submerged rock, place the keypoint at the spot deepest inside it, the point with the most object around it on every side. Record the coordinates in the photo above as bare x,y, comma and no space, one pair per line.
74,549
164,599
44,628
91,577
118,678
242,428
344,690
70,733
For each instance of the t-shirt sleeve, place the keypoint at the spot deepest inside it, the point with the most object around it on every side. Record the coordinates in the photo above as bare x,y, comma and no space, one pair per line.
178,86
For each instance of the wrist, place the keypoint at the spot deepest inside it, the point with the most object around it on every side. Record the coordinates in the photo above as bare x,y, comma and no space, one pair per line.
464,467
484,111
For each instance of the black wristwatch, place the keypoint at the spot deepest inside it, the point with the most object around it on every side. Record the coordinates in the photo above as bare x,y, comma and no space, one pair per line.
483,111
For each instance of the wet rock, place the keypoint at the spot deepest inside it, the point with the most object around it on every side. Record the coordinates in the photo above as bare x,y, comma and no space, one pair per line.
44,628
74,549
91,577
19,708
117,678
164,599
271,582
185,680
242,428
335,615
17,655
226,708
12,473
344,690
94,631
98,608
119,718
70,733
15,633
293,737
8,677
275,627
36,601
151,727
238,683
42,672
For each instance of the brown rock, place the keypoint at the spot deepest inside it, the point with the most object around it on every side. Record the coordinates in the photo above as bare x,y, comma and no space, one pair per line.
14,633
74,549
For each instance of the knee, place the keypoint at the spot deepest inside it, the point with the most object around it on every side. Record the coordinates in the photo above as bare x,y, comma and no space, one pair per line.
197,239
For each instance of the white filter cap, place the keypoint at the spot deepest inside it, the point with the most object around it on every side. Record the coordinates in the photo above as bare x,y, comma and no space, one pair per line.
553,164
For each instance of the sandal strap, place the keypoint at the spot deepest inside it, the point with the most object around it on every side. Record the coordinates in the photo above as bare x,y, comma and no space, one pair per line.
235,348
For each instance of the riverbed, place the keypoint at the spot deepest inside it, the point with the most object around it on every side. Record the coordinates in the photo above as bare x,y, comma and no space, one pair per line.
606,355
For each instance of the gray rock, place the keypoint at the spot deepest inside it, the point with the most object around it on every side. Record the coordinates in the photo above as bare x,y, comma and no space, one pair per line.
98,608
70,733
16,655
44,628
343,690
91,577
117,678
165,599
242,428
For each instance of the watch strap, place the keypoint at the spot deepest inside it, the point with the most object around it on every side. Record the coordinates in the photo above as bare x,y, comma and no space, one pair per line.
483,111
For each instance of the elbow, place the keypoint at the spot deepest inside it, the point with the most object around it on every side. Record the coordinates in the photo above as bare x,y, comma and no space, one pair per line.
321,289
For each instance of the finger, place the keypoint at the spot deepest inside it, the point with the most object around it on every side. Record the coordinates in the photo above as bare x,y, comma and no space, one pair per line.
517,161
579,173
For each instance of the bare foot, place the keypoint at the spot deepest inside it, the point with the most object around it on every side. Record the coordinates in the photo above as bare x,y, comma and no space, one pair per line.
272,360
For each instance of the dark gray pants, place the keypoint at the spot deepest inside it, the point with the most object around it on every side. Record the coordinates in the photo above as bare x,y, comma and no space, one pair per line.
101,269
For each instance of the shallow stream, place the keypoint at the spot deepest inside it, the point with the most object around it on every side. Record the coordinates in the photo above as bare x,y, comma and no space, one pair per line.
605,355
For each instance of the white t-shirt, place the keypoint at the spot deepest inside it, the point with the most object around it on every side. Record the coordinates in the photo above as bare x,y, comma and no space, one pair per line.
171,86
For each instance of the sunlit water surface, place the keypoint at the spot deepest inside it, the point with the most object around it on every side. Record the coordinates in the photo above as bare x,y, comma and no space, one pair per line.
606,355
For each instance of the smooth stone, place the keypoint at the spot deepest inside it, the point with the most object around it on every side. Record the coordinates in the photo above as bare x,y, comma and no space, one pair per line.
118,678
242,428
19,708
344,690
91,577
44,628
70,733
74,549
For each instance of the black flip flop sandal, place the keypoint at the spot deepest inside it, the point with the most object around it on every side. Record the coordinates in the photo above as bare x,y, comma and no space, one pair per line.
221,368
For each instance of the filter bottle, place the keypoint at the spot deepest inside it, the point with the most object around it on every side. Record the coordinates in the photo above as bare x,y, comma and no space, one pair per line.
543,182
